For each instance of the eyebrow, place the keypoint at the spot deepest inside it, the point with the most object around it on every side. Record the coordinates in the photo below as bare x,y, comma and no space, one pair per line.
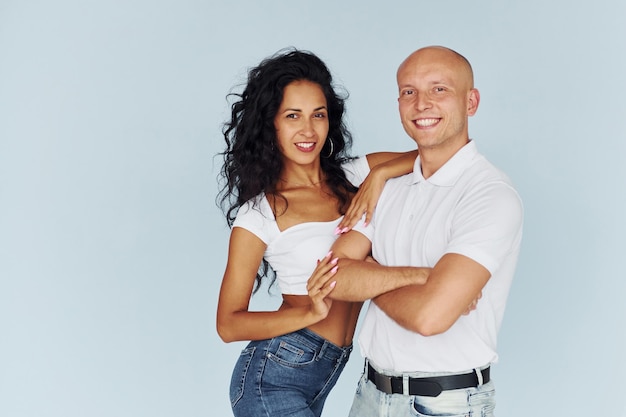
300,110
441,81
431,82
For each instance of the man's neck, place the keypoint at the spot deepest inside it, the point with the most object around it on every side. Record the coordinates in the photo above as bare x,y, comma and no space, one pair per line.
434,158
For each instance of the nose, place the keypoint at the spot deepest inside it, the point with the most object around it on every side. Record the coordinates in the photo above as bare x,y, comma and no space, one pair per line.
422,102
307,128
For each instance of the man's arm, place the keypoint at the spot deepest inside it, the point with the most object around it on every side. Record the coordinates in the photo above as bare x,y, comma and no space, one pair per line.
359,280
488,225
455,282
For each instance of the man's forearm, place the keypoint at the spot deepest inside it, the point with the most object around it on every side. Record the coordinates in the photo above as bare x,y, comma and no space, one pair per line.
454,283
362,280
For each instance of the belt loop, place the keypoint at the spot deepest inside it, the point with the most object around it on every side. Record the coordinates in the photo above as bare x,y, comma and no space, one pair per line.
321,352
479,375
405,385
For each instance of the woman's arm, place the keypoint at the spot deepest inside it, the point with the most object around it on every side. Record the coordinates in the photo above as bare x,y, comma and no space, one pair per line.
234,321
359,279
383,165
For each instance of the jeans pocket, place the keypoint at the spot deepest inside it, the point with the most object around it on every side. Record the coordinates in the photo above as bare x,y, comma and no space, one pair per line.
488,411
238,379
359,385
484,398
442,406
428,413
292,354
474,402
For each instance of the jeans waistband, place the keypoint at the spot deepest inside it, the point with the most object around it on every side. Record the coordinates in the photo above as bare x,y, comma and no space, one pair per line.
325,348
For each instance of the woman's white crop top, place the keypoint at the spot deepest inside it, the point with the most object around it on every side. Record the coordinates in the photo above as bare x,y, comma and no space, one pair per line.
293,253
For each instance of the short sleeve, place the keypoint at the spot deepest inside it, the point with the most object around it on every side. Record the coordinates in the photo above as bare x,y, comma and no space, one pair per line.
256,217
356,170
488,226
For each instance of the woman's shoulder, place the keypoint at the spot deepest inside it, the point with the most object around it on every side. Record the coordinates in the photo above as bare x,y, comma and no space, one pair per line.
256,216
356,170
257,205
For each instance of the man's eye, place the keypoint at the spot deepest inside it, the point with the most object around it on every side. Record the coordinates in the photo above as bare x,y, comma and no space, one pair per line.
407,92
439,89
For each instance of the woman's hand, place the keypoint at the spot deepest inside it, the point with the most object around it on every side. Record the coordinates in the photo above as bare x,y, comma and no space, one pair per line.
473,304
363,203
319,288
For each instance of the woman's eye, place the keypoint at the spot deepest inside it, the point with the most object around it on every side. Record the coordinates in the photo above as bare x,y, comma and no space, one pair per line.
320,115
292,116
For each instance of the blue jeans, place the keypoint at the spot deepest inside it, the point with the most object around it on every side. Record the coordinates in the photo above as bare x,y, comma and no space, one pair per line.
467,402
289,375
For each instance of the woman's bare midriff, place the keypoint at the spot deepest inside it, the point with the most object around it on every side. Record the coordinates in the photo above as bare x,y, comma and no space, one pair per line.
338,327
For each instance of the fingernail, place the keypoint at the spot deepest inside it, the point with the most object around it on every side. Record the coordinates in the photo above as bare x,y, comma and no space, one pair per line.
329,254
334,261
334,270
365,224
332,284
337,230
344,230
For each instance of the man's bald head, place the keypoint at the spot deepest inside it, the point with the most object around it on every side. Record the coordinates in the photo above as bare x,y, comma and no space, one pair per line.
445,56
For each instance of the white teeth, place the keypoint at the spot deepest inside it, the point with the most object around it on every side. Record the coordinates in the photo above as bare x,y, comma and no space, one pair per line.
306,145
426,122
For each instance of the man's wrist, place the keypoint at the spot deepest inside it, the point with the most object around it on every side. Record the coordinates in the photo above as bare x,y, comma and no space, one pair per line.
420,275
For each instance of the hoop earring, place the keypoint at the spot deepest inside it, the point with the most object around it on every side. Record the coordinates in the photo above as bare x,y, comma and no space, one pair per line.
332,148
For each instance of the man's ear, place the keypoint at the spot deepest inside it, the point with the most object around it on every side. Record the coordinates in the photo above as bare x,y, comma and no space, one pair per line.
473,99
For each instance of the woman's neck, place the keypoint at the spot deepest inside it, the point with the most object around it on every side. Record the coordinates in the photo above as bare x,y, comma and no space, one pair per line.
300,177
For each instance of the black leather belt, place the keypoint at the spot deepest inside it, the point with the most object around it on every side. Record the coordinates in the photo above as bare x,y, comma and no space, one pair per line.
428,386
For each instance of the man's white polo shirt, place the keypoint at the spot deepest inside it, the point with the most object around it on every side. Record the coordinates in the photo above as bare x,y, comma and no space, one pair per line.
467,207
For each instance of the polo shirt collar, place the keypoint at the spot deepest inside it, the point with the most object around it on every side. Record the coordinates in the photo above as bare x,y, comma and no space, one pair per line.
450,172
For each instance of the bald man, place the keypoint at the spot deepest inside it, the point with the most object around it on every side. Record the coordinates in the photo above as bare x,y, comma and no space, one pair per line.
457,214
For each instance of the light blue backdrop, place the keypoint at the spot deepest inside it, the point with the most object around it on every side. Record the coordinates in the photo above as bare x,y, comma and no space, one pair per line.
111,246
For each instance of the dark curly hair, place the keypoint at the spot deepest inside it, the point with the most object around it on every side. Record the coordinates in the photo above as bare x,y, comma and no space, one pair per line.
252,164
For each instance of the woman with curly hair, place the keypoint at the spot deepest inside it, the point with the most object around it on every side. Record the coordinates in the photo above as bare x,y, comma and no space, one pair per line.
288,184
